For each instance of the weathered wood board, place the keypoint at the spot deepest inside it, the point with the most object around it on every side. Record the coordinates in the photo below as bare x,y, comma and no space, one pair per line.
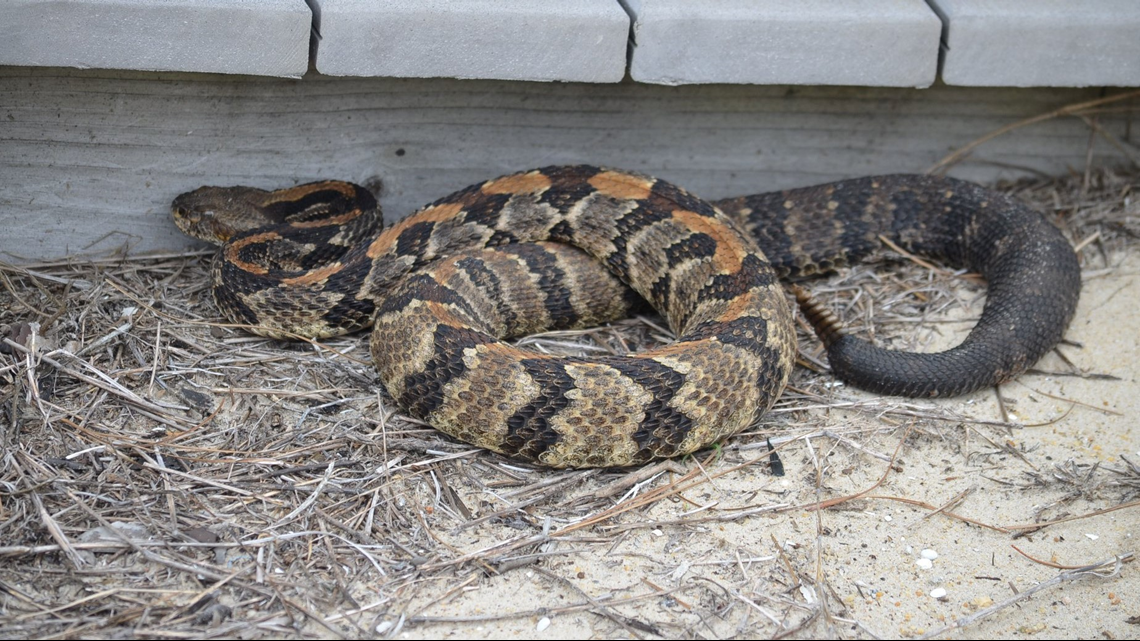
90,160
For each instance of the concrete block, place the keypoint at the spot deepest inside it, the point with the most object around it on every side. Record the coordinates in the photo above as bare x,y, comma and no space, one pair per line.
800,42
570,40
259,37
1041,43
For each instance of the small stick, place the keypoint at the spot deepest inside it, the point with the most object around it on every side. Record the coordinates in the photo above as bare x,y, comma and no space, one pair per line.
822,505
1063,111
1068,575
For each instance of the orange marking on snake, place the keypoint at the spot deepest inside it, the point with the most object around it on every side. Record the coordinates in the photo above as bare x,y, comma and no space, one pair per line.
233,249
529,183
737,306
300,191
444,315
621,186
433,214
730,248
444,270
313,277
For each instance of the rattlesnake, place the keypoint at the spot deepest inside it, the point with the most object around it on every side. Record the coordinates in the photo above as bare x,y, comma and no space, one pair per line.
440,302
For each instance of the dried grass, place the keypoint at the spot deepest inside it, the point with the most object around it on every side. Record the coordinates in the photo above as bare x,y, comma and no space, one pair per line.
166,476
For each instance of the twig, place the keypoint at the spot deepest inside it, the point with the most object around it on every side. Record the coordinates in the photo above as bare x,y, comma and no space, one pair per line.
1067,110
823,505
1044,524
1068,575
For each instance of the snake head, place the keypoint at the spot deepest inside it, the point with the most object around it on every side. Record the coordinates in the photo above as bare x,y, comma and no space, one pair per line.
216,214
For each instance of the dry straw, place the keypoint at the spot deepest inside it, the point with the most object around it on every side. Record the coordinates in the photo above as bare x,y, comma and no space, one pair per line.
166,476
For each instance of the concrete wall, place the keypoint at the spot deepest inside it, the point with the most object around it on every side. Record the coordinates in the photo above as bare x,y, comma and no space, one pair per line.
90,160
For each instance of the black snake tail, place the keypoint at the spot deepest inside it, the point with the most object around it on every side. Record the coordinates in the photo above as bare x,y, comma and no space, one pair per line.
1032,272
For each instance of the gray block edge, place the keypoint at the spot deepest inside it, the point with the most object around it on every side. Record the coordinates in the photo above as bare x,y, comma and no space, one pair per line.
580,41
677,42
253,37
1040,43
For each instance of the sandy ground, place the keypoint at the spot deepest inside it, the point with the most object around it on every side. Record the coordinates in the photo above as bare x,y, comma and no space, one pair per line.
178,479
863,557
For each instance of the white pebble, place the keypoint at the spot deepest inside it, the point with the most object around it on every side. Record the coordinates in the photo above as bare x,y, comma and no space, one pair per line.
543,624
887,517
929,554
1092,536
925,564
807,593
938,593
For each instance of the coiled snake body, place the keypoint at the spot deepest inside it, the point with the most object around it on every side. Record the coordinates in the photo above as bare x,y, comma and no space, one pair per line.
440,302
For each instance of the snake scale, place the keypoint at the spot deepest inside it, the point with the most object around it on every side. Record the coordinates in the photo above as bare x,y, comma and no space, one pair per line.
524,252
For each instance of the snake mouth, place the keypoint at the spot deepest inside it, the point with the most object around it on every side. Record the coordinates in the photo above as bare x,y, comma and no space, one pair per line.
201,224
